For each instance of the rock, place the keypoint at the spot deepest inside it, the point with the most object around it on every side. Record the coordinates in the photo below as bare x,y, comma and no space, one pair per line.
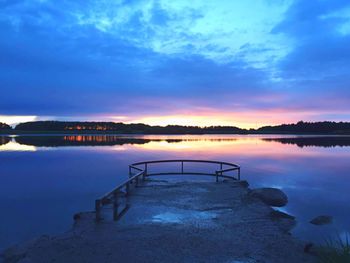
270,196
275,214
284,221
321,220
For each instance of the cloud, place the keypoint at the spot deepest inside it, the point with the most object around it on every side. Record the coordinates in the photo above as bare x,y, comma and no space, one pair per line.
168,57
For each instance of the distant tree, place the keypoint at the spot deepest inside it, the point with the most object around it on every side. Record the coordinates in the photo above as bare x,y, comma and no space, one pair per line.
4,126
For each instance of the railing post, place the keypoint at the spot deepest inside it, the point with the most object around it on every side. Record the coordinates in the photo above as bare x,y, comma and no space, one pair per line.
239,173
217,176
115,206
220,168
129,171
182,167
145,169
127,188
98,209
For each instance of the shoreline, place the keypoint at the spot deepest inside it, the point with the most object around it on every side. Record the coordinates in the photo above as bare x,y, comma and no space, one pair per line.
63,133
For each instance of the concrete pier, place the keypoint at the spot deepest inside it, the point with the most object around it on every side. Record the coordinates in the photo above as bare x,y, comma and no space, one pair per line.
171,221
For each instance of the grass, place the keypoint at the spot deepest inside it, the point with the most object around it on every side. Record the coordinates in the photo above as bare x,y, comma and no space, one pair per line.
335,250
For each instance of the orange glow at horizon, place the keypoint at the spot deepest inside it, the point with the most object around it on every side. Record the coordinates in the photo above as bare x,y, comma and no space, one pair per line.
244,120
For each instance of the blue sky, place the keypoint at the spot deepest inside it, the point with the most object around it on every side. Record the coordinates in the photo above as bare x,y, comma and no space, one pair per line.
243,63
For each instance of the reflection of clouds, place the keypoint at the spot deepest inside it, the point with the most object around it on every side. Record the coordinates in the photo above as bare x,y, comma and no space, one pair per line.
246,145
198,143
182,216
14,146
119,148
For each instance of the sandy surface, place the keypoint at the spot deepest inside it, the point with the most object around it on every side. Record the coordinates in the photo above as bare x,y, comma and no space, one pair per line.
174,222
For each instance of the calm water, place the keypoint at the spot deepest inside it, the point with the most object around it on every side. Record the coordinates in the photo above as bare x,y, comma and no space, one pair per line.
44,180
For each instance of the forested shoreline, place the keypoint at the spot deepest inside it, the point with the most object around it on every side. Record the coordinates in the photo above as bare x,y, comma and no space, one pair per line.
43,127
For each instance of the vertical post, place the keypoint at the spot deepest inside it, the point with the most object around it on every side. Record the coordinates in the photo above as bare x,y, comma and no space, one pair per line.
129,171
145,169
239,173
98,209
127,189
182,167
115,206
217,176
220,168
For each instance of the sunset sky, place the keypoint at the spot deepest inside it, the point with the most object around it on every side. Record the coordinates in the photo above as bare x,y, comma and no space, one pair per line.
245,63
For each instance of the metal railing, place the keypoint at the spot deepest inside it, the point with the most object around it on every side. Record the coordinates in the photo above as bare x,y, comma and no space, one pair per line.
123,190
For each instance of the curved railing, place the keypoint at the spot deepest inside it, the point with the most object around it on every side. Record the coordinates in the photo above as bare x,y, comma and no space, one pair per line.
142,171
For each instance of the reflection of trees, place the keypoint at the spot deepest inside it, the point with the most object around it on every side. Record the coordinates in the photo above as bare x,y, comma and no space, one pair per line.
4,139
95,140
321,141
77,140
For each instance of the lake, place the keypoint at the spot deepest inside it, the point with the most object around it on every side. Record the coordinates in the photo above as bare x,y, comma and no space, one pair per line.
45,180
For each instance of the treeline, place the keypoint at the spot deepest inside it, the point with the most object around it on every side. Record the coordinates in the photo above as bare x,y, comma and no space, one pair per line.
105,127
4,126
326,127
301,127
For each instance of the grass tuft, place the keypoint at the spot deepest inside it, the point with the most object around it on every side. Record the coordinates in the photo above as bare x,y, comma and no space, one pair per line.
335,250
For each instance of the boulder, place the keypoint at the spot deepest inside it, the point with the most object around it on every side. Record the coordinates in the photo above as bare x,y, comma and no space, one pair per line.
321,220
270,196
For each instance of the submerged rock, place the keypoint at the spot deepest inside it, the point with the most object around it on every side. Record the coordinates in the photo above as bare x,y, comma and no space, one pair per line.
270,196
321,220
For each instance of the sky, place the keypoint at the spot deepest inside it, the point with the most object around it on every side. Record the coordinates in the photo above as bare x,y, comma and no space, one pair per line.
244,63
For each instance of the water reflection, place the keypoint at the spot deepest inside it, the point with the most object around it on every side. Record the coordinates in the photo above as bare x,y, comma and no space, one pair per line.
320,141
4,139
190,141
83,140
39,186
11,145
